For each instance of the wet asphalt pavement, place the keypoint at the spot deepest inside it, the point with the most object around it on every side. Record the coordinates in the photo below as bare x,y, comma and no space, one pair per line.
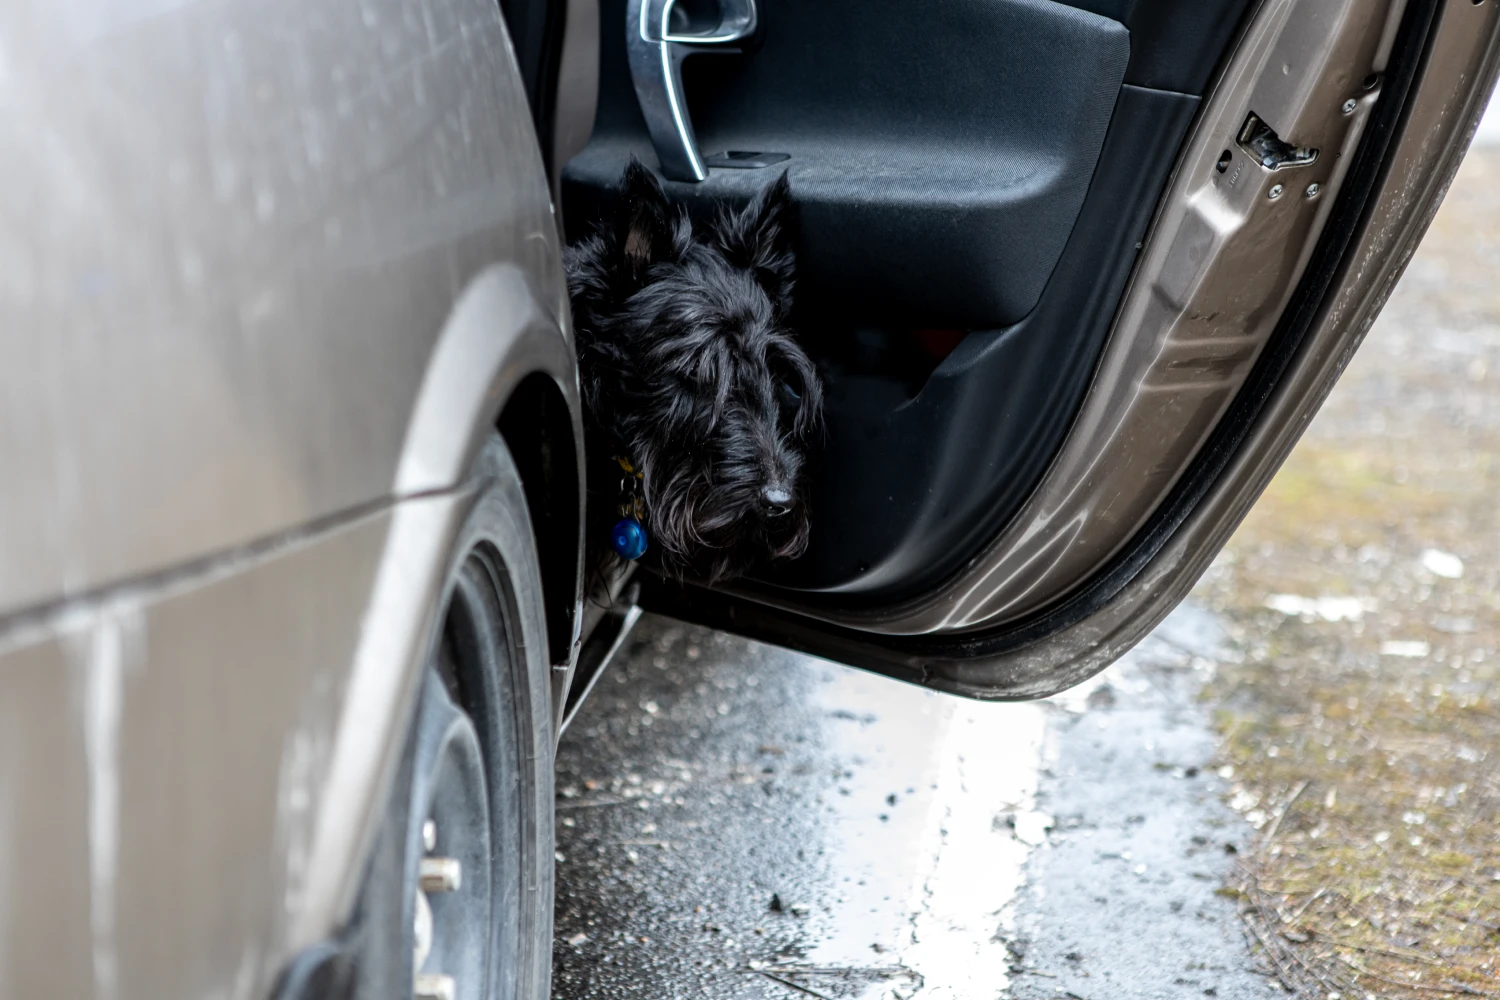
739,821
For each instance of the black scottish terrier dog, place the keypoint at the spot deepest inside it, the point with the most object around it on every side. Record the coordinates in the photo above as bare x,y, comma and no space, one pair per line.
702,407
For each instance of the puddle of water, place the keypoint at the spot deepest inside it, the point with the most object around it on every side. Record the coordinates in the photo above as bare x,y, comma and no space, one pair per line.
981,828
1488,133
929,829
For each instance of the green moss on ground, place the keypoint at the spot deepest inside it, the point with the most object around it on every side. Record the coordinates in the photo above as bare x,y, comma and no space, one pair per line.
1374,779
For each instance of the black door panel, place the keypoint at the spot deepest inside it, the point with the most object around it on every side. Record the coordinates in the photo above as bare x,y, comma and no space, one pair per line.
939,151
1445,60
1174,44
946,161
909,486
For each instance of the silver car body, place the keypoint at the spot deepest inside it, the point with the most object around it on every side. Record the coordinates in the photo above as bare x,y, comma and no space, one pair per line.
268,272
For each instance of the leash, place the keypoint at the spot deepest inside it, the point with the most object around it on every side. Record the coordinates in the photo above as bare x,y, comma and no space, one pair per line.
628,536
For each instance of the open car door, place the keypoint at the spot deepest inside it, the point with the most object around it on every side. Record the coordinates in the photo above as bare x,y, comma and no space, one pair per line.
1077,275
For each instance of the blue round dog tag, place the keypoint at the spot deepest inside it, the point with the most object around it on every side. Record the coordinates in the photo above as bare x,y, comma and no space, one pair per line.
628,538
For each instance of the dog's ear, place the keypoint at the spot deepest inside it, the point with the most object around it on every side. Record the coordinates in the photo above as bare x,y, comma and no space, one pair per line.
759,238
644,221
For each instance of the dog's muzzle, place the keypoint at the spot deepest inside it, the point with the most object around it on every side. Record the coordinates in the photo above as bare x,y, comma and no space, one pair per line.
775,500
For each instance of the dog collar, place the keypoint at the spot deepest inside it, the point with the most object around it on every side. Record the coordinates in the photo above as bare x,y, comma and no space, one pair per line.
628,536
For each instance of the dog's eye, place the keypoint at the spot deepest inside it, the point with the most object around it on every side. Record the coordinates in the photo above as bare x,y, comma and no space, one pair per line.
789,396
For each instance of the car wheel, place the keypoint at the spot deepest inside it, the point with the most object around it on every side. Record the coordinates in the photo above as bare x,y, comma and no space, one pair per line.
457,902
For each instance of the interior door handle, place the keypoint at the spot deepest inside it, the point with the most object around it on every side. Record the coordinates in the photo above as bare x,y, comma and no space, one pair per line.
659,34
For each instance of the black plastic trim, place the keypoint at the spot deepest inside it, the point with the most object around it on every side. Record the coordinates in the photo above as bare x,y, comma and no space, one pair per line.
536,32
322,971
538,430
1174,44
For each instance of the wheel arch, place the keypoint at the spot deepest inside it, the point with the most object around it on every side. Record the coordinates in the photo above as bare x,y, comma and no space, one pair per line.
504,361
541,431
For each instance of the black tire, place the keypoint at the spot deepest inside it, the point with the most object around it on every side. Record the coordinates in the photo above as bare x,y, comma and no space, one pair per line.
479,762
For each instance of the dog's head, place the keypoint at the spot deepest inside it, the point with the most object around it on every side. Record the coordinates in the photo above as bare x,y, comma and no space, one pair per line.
713,399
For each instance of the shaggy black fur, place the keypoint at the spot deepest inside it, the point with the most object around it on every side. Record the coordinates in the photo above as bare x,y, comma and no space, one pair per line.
690,373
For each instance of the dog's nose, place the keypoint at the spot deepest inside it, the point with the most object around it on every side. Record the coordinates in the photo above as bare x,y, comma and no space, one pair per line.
777,500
